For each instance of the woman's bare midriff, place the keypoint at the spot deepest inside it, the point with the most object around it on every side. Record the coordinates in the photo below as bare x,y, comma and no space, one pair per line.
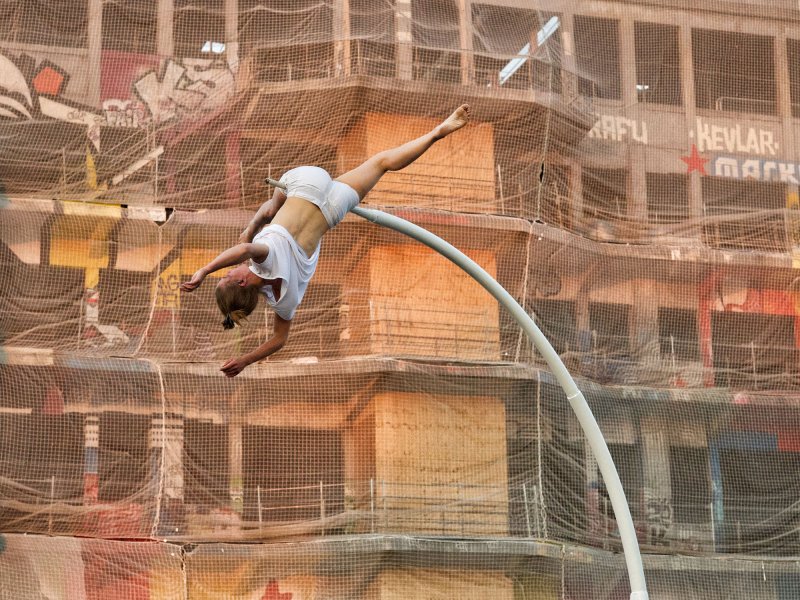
304,221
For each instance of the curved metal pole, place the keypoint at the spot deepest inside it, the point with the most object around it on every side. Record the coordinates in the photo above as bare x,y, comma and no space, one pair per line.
627,533
630,544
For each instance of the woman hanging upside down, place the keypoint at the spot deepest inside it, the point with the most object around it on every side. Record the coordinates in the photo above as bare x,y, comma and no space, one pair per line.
282,257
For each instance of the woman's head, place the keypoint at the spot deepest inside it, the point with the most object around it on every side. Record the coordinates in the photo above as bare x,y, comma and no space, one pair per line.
237,295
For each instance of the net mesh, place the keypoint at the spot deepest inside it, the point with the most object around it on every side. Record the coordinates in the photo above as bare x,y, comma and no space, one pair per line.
630,175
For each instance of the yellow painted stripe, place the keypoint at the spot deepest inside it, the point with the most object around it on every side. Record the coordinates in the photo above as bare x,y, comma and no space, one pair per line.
87,209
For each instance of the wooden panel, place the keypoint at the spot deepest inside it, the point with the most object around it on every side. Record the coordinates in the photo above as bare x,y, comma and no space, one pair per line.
358,442
422,305
441,464
456,173
400,584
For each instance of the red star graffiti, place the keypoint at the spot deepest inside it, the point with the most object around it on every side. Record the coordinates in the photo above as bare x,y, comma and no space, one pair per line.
695,162
273,593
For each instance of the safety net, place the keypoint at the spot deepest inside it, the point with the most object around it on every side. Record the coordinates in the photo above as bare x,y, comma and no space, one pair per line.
629,174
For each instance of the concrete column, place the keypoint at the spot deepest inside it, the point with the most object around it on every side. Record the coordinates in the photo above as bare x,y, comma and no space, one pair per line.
627,54
568,61
644,324
166,472
575,194
232,34
659,511
164,33
236,477
465,45
696,209
341,37
402,27
595,511
784,101
637,184
234,195
95,45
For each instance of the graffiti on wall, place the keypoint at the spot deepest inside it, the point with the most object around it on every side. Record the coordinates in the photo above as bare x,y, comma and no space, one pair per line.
712,137
181,88
754,168
619,128
659,517
33,90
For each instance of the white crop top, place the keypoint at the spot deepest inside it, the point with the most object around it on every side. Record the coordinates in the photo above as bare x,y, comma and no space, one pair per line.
286,261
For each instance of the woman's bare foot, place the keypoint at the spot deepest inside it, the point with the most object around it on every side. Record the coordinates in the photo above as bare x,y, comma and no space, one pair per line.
457,120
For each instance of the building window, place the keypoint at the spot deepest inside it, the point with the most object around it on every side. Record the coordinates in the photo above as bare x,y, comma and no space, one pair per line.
44,455
756,519
205,464
125,296
436,39
516,48
734,71
292,474
61,23
690,482
658,77
744,214
628,461
287,41
124,455
597,52
610,327
372,34
793,52
677,329
667,197
753,351
605,194
199,28
563,463
556,319
130,26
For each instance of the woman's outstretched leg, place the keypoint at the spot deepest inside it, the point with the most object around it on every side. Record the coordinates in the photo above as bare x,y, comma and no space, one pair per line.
364,177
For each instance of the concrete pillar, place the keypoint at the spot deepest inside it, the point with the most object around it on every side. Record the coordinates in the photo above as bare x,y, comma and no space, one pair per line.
790,152
644,324
341,37
166,471
234,195
637,184
236,477
164,33
402,25
465,44
659,511
595,512
695,189
576,194
627,54
95,49
232,34
569,62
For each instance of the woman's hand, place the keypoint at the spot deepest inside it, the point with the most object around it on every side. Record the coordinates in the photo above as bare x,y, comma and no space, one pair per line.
194,282
233,367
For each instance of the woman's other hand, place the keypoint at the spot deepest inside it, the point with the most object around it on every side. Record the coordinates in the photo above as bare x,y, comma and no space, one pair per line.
233,367
194,282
